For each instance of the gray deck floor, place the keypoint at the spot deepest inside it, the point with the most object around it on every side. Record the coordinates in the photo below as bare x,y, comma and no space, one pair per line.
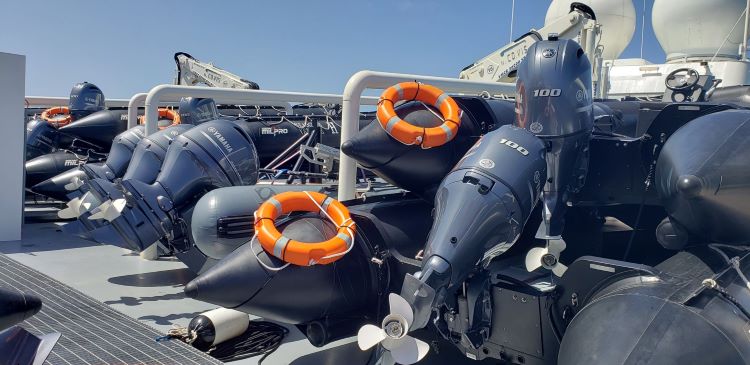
152,291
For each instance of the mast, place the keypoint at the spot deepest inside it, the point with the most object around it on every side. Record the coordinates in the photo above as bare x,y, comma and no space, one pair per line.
743,50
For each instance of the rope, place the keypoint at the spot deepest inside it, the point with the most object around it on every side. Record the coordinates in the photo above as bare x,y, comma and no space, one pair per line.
343,225
260,338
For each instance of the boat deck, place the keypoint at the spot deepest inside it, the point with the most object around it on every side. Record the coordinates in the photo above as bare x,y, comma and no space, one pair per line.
150,292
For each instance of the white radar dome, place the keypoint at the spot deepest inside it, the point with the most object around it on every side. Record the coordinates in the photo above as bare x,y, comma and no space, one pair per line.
697,28
617,18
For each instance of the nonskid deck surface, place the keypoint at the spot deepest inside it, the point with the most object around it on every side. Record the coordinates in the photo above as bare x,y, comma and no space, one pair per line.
92,332
150,292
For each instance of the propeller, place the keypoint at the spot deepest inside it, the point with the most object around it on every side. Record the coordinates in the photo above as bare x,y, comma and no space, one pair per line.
393,334
547,257
78,206
109,210
74,184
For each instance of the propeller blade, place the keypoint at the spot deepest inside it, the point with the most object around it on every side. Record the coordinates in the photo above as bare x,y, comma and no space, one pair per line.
71,211
559,269
408,350
534,258
369,336
74,184
401,307
556,246
109,210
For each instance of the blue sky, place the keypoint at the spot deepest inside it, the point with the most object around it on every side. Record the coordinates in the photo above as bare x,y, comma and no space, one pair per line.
127,46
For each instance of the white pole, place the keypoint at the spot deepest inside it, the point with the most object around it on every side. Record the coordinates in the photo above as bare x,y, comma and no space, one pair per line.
643,25
512,18
743,51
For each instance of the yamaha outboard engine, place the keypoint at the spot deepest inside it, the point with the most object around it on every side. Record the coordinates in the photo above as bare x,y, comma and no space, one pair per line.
703,180
85,98
197,110
480,210
212,155
41,138
144,165
120,154
553,102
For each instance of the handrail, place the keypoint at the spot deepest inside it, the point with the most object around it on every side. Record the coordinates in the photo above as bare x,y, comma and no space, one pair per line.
234,96
363,80
139,100
64,100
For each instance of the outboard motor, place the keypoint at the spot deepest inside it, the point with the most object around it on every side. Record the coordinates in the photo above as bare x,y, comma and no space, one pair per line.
41,138
120,154
480,210
194,111
197,110
212,155
85,98
553,101
144,165
703,180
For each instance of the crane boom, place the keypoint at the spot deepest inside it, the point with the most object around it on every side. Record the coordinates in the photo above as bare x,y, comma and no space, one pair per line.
191,72
500,65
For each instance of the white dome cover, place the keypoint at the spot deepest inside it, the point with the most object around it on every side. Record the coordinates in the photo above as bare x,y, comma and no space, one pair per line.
697,28
617,18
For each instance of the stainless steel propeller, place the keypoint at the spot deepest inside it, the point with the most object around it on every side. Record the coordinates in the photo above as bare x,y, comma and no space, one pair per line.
393,334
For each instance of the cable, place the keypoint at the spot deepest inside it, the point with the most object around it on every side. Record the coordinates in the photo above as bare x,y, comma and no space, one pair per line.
261,338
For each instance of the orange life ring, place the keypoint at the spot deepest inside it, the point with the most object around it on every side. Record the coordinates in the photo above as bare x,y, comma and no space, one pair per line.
59,116
407,133
164,113
304,253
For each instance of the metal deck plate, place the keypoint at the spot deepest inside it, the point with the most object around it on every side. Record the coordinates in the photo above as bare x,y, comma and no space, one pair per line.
92,332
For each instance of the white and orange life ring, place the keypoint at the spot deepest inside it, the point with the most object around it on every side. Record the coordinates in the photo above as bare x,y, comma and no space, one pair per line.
164,113
297,252
58,116
407,133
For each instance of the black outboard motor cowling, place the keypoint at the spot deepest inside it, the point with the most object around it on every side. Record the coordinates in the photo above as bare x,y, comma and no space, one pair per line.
480,210
553,101
41,138
212,155
119,155
144,165
85,98
197,110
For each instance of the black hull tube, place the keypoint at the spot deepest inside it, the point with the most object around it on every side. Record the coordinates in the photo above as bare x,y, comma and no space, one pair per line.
421,170
669,319
703,180
117,161
346,289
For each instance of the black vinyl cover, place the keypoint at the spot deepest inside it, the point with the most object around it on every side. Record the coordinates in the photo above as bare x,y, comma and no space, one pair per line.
420,170
16,306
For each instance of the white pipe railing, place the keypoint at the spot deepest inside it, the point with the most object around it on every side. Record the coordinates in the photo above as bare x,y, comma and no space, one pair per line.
233,96
139,100
40,101
363,80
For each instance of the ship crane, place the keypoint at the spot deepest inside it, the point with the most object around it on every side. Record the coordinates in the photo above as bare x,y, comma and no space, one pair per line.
191,72
501,65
